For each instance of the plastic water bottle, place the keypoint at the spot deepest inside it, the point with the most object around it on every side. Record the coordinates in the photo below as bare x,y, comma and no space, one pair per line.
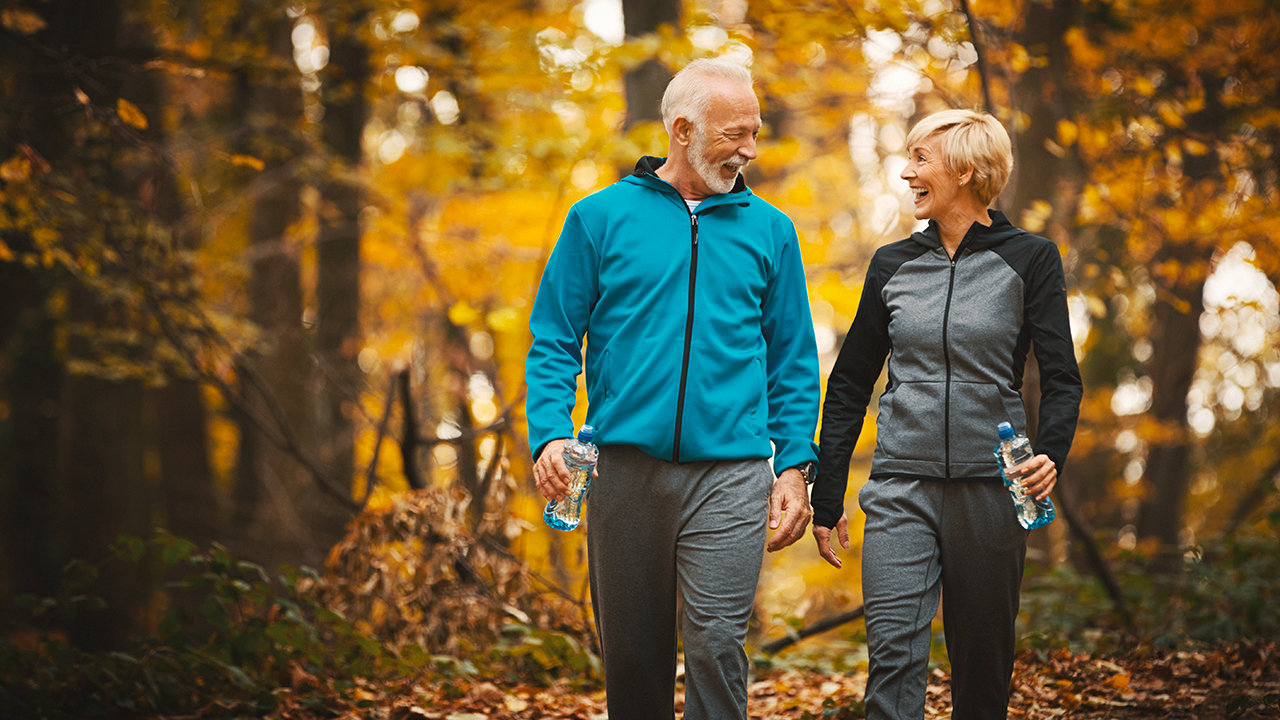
1013,450
580,454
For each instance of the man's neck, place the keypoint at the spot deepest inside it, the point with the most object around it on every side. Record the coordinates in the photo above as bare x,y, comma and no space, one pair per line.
684,182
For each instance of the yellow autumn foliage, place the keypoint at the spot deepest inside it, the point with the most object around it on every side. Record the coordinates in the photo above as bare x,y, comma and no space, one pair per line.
1167,115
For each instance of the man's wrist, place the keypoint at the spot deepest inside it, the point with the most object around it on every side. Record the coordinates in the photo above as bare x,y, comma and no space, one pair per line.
807,471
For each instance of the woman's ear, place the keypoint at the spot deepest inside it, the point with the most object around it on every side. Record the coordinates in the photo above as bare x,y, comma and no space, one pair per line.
965,177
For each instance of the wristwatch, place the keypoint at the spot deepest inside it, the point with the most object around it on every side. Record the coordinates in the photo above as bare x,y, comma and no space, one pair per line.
808,471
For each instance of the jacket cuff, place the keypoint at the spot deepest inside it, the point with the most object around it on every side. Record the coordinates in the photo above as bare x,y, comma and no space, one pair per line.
796,452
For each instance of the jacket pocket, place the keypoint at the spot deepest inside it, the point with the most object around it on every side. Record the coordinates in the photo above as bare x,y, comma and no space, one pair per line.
910,425
598,375
759,383
976,409
606,372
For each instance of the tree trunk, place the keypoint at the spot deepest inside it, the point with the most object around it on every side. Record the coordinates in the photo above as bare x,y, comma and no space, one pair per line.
1044,172
105,495
102,489
31,374
338,338
266,528
1175,344
1176,341
31,379
1042,176
644,84
175,415
458,357
1095,464
181,433
109,487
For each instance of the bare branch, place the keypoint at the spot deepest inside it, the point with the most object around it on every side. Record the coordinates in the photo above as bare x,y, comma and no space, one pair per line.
1084,534
409,440
278,432
1252,499
823,625
369,476
983,75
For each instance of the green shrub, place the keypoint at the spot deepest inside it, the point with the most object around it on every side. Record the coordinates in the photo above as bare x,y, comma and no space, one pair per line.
1226,591
238,644
240,648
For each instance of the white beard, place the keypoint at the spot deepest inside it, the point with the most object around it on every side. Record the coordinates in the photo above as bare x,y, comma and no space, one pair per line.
709,172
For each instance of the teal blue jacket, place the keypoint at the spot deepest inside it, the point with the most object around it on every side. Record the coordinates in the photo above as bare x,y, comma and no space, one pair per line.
699,341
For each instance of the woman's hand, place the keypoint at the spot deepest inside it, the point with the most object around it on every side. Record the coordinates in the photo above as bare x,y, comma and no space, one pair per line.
823,537
1039,476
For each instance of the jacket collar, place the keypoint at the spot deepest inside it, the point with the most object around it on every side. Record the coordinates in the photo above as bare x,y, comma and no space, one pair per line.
646,173
979,236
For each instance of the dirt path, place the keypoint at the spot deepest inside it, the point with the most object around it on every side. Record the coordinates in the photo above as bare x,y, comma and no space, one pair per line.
1239,683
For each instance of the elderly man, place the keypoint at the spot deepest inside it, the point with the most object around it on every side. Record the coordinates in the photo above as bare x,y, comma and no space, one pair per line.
701,367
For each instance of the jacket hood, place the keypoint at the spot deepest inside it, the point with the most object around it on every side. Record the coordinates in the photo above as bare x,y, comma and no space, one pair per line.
646,170
979,237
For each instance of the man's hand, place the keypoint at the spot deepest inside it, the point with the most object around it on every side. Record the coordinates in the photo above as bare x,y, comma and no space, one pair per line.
823,536
789,510
550,473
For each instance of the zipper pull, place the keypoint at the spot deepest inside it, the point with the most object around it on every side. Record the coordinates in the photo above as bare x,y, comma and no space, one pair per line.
694,217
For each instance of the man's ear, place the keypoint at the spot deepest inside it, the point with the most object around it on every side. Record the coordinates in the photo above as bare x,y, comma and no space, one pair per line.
682,130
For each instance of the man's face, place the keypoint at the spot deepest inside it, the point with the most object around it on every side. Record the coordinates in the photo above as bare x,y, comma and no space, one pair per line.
725,141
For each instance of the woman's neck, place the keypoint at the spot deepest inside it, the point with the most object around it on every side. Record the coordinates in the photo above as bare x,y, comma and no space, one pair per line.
955,225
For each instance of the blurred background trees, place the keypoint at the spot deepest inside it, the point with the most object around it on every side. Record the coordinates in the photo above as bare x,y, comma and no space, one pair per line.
266,267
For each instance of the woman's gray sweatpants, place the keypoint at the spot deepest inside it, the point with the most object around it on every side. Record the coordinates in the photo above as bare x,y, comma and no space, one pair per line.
927,538
658,529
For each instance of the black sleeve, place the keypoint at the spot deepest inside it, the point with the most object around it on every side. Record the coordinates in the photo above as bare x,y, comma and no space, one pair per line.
1060,386
849,391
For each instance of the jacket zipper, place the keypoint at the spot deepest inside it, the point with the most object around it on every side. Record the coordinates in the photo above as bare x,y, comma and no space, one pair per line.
688,334
946,356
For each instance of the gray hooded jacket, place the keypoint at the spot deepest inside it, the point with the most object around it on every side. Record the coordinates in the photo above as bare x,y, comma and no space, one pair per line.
956,333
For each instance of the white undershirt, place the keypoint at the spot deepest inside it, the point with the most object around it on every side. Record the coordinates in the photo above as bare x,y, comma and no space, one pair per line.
693,204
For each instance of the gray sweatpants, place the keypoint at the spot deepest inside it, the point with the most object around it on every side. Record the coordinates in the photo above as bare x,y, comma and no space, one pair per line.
655,530
924,539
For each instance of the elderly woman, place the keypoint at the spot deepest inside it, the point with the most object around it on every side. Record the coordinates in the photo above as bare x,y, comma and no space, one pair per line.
955,309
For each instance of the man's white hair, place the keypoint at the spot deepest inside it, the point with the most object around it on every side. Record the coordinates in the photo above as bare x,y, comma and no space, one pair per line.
689,95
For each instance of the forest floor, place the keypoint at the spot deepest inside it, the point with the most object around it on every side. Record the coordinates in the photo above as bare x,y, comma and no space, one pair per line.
1240,683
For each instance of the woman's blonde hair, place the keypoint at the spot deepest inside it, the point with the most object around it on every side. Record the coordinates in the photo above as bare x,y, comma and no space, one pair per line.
969,140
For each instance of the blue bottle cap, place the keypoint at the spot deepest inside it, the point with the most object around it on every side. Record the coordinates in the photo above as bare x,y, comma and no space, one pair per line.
1005,431
586,433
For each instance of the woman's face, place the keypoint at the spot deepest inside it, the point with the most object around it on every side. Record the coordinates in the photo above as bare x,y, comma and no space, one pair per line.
936,188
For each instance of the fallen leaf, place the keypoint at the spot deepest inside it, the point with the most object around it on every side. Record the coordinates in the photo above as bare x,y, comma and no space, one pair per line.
130,114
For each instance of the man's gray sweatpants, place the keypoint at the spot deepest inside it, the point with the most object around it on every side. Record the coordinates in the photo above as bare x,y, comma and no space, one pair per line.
655,530
956,539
